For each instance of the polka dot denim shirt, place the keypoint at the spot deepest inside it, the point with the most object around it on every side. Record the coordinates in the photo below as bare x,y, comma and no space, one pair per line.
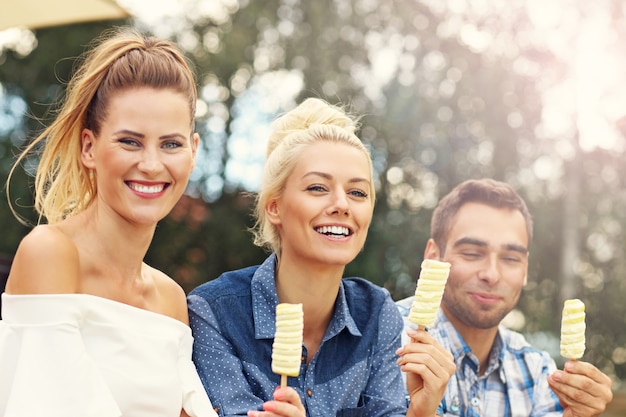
354,373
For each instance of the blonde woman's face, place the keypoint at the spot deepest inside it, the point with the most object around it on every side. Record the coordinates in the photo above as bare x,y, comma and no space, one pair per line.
325,210
143,155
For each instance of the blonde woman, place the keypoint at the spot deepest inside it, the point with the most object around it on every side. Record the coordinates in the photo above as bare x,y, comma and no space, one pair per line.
89,329
313,212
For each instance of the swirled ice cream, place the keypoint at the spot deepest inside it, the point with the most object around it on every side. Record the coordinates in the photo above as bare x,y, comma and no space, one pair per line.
573,329
428,293
287,346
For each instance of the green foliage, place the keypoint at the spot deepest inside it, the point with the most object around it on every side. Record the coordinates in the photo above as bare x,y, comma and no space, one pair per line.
199,241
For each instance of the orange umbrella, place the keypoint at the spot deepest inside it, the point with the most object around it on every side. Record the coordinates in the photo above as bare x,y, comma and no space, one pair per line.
35,14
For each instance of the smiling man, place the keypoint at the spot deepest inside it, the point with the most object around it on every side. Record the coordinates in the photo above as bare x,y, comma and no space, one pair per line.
483,229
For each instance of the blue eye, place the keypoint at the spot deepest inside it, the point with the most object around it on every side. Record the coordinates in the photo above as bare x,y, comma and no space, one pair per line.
316,187
129,142
172,144
359,193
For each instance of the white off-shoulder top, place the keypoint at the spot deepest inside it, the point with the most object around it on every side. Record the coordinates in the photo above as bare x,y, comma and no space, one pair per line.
66,355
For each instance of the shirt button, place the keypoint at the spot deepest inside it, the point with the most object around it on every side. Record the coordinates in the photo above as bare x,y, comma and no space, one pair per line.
475,402
309,392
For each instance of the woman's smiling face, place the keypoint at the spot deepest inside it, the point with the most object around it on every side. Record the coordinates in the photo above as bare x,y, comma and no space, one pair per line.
143,155
325,209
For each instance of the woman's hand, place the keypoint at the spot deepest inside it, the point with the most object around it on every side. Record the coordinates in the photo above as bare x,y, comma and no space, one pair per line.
286,403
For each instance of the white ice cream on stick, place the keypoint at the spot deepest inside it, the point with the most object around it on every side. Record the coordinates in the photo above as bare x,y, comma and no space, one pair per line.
573,329
428,293
287,346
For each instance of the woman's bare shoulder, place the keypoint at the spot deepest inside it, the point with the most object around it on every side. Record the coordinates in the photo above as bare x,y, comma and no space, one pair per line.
171,296
46,261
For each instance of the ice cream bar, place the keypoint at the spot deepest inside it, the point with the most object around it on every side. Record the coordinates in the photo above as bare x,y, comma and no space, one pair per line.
428,293
573,329
287,347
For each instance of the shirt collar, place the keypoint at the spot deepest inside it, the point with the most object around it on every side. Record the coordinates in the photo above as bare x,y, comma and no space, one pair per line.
342,318
460,350
265,300
456,343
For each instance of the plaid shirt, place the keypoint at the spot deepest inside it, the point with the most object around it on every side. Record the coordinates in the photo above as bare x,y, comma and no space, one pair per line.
515,383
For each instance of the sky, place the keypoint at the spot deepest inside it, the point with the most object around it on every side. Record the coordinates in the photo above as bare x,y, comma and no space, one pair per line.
593,89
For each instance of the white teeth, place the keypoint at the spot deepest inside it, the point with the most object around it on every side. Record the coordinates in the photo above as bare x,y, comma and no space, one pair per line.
146,189
333,230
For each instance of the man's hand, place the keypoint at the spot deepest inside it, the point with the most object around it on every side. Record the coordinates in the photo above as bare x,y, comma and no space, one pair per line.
583,390
428,368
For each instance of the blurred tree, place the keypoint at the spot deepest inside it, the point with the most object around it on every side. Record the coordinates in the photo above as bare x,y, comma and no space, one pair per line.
199,241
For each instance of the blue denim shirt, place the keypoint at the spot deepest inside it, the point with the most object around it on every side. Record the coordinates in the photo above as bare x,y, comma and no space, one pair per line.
354,372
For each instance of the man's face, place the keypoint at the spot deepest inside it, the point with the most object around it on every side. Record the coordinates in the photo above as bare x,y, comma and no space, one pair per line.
488,250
